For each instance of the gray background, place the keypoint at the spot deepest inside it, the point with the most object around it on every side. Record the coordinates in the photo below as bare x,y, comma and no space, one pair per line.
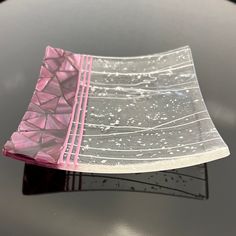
118,28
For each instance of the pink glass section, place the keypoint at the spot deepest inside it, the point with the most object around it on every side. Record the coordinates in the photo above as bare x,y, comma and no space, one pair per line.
41,133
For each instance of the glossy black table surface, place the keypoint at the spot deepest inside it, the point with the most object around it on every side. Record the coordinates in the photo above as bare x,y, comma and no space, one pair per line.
118,28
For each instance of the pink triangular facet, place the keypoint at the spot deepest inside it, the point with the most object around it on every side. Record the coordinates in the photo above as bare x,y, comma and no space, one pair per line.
53,64
41,84
47,138
22,142
63,106
38,121
51,52
44,158
35,99
31,115
53,123
33,135
75,59
62,118
66,66
53,151
64,75
53,87
70,84
45,97
50,105
68,94
44,72
35,108
25,126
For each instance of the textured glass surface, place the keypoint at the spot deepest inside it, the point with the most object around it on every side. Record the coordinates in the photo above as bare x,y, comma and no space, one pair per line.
190,182
117,115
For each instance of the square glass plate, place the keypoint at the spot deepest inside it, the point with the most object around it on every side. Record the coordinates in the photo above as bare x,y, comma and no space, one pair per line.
117,115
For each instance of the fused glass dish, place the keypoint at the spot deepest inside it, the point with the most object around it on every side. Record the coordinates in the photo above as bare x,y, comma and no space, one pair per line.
116,115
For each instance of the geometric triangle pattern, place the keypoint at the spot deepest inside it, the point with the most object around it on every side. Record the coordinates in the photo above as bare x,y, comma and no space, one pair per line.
41,133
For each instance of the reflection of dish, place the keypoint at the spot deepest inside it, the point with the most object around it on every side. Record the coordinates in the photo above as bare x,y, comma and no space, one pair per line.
191,182
143,114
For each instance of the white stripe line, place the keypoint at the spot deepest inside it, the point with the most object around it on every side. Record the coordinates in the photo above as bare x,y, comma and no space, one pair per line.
143,82
141,73
147,159
144,128
140,131
128,96
122,89
145,149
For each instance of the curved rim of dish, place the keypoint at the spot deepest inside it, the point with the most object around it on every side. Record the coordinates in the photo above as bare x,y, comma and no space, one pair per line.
163,53
161,165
